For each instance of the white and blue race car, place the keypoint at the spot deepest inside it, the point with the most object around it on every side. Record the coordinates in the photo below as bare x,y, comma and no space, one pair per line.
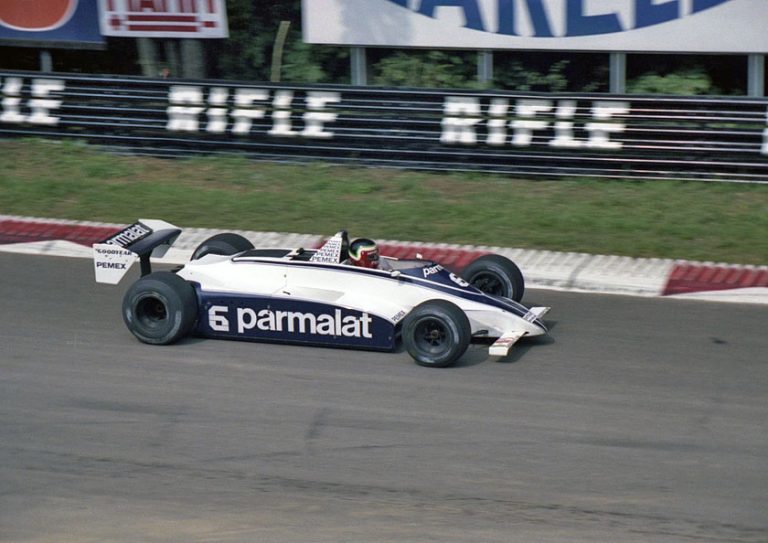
231,290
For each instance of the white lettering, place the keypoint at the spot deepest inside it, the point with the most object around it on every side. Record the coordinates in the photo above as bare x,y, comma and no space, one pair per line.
524,125
497,124
318,115
279,316
461,116
245,112
187,104
302,322
532,118
12,101
217,114
350,326
458,280
281,115
599,132
246,319
366,321
266,320
217,319
566,110
325,325
765,135
41,104
337,320
294,322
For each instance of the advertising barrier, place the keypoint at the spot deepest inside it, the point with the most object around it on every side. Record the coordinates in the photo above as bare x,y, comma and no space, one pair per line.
522,134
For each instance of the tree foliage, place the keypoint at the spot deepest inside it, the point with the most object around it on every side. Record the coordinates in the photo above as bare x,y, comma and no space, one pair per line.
436,69
247,54
689,82
517,77
252,29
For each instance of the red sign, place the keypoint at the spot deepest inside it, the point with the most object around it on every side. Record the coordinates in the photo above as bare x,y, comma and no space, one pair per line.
36,15
164,18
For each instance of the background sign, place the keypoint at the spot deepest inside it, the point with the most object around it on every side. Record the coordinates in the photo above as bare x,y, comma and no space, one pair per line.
693,26
50,23
164,18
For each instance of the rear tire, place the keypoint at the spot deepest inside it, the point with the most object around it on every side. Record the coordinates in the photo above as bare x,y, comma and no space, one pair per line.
436,333
160,308
222,244
496,275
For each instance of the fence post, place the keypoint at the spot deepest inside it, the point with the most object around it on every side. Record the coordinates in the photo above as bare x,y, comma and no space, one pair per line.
485,67
359,65
756,75
618,75
46,61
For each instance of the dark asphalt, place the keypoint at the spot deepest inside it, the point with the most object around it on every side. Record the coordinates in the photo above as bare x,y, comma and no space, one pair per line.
640,420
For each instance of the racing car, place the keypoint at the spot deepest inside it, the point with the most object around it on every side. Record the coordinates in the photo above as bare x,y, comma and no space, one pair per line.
231,290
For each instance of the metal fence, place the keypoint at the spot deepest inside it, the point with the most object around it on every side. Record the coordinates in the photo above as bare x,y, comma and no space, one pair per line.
521,134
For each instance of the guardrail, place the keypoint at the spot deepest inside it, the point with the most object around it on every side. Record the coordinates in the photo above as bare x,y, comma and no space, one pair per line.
522,134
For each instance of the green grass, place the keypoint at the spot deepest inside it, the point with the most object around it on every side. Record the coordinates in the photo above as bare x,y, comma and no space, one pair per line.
690,220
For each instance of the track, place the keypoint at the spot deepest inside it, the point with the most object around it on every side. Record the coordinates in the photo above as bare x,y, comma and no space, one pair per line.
640,420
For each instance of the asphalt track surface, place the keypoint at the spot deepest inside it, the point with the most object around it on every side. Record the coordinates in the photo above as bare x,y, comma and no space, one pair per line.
639,420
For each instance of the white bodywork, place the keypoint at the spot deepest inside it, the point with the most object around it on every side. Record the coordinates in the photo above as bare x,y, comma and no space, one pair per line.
297,277
111,259
387,294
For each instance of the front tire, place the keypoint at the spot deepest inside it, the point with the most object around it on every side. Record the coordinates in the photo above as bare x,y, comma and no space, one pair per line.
496,275
160,308
436,333
222,244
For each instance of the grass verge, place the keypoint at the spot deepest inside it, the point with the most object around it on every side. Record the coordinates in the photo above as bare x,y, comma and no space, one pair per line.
689,220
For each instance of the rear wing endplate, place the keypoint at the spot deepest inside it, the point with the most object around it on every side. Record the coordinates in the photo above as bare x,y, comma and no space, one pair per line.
334,250
114,256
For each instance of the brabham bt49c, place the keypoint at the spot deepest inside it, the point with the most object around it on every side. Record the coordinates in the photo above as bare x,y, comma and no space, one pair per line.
343,294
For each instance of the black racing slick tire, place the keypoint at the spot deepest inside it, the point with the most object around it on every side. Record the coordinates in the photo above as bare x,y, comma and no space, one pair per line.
496,275
160,308
222,244
436,333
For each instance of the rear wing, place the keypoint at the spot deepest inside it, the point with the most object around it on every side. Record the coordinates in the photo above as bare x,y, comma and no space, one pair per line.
114,256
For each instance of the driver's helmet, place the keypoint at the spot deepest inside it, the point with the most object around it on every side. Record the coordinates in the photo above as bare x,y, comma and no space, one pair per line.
364,252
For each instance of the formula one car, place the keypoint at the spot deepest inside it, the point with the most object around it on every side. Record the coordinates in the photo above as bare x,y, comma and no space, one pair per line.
231,290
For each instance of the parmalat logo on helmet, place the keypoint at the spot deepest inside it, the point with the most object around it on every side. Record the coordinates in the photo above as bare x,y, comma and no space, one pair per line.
561,18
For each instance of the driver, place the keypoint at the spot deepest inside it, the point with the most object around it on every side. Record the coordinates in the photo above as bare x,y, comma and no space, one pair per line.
364,253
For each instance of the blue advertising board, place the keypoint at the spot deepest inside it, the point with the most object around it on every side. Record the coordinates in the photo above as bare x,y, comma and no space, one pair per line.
685,26
50,23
